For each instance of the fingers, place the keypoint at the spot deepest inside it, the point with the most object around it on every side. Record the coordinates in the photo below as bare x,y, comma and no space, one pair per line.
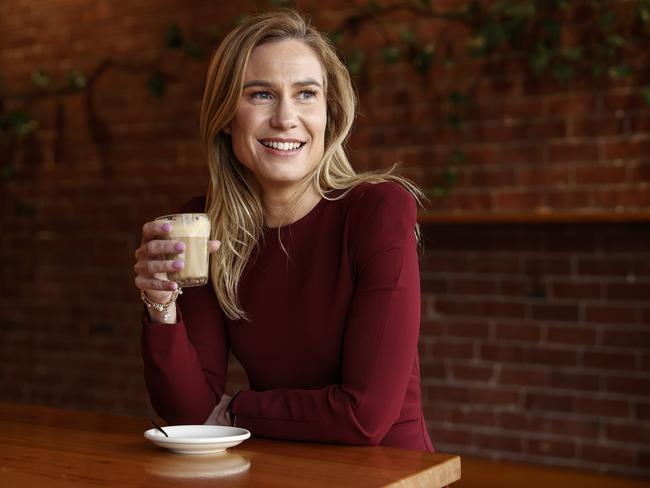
156,228
155,284
213,246
149,268
157,247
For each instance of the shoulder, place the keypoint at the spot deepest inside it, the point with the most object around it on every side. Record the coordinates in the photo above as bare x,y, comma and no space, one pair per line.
194,205
387,198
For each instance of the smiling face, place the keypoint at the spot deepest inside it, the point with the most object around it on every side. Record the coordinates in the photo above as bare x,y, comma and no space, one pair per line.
278,131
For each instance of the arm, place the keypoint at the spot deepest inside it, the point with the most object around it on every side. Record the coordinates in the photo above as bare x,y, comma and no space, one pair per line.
380,343
185,364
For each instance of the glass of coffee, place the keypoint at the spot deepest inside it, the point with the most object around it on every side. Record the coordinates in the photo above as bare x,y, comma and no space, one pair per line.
194,230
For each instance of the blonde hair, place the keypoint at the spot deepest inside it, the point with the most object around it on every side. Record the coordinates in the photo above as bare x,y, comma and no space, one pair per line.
234,202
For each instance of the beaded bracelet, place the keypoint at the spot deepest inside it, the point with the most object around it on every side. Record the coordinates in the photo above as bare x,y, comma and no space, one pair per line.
161,307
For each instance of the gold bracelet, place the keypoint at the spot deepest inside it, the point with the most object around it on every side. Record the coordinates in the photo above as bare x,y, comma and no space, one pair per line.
161,307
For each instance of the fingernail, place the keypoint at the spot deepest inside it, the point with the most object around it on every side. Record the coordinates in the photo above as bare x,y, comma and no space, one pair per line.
180,246
166,227
178,264
174,285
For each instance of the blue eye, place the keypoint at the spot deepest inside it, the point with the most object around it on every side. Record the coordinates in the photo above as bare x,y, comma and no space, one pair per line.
261,95
307,94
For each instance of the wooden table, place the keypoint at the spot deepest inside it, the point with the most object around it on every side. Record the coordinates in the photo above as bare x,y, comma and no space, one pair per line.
48,447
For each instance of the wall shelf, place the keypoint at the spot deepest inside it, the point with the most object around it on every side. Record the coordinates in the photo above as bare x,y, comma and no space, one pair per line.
483,218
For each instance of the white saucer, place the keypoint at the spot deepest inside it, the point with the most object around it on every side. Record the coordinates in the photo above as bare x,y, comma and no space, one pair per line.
198,439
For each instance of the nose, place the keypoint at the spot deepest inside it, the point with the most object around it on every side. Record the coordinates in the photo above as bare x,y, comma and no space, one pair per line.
284,115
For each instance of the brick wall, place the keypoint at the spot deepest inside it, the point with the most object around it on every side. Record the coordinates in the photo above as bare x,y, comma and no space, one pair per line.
535,337
535,343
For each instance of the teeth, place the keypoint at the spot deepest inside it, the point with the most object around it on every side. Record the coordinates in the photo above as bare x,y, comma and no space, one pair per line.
282,146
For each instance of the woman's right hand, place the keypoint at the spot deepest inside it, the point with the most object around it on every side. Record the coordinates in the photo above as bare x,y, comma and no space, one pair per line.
151,267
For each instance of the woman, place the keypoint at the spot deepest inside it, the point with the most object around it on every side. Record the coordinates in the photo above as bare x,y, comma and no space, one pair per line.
315,280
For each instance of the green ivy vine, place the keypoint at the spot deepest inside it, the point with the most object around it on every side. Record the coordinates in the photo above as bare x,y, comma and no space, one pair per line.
558,39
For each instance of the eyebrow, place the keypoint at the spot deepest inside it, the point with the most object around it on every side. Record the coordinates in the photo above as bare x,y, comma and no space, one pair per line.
268,84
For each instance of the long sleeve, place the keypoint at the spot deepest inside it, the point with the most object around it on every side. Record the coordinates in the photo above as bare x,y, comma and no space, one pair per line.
185,364
379,348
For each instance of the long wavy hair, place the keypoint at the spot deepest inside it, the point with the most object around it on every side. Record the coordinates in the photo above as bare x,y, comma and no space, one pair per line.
234,201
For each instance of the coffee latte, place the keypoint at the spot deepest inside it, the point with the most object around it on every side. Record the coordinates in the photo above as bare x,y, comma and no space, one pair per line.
194,230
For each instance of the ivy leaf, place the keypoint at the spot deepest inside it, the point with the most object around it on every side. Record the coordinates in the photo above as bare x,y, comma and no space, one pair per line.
562,72
373,7
408,36
354,62
457,98
453,121
573,53
281,3
426,4
423,59
458,157
174,37
335,37
157,84
194,51
390,54
76,80
552,29
20,123
620,71
539,59
214,33
645,93
41,78
606,20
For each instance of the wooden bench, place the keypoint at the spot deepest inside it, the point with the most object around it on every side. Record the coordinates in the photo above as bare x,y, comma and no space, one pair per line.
479,473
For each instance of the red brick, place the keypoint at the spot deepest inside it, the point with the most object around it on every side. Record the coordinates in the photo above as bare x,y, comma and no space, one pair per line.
571,380
472,417
629,148
570,199
527,377
606,266
628,291
631,338
543,402
602,407
476,330
597,174
642,410
444,349
454,436
608,360
548,265
598,125
466,372
571,335
622,455
628,385
515,200
608,314
504,265
500,442
577,290
526,332
473,286
561,152
551,448
629,433
534,176
554,312
573,427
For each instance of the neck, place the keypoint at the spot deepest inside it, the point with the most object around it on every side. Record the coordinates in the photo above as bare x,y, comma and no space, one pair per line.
277,206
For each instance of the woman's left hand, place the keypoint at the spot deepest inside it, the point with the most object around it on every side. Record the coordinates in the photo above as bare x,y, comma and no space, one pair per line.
220,415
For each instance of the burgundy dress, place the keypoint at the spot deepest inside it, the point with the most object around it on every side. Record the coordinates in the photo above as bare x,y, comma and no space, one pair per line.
331,346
